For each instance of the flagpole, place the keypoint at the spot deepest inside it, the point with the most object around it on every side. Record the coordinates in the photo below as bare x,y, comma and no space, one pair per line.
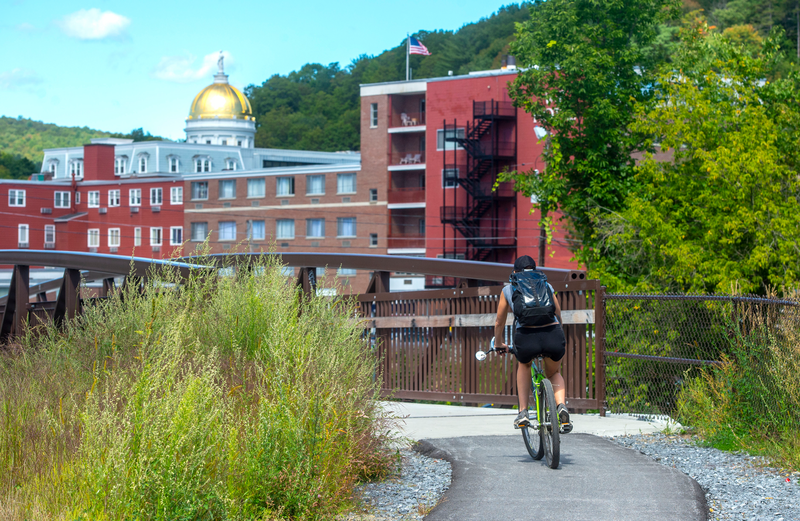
408,42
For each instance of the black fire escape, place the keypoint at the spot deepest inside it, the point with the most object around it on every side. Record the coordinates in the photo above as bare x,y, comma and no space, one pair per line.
484,219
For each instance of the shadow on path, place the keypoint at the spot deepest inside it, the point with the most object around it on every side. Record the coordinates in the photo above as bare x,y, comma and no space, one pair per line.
495,479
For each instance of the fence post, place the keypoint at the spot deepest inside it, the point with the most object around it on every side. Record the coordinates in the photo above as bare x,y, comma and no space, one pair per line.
16,311
600,346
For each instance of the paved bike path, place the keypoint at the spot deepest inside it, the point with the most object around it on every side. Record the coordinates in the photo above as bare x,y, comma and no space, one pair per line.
494,478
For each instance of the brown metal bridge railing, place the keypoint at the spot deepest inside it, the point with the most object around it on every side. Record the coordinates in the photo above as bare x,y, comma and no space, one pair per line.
426,340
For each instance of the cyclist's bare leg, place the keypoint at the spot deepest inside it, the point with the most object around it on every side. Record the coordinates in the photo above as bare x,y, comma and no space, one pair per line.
523,384
551,372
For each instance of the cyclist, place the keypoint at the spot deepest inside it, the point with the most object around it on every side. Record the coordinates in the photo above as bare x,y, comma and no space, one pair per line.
530,342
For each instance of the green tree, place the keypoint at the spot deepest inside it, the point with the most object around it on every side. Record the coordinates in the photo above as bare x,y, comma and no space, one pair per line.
724,211
15,166
585,67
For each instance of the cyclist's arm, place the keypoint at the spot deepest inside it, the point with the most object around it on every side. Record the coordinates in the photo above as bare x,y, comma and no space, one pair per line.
500,322
558,310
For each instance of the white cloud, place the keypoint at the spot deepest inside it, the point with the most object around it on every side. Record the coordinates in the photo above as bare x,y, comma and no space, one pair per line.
19,79
183,69
26,27
93,24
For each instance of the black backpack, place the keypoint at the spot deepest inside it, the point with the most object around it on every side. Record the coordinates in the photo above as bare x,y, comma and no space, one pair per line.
532,299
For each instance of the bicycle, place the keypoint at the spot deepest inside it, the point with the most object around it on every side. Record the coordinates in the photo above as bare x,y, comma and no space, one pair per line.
541,437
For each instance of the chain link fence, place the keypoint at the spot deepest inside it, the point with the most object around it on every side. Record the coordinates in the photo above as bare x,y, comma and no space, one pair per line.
736,352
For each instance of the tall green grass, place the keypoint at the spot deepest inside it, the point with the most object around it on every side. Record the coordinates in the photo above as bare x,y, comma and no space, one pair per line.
752,401
218,398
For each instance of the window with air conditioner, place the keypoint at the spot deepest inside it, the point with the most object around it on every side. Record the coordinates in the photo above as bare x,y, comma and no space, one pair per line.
156,196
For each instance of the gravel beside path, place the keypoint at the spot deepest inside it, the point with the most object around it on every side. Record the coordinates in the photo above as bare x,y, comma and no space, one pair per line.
738,486
408,497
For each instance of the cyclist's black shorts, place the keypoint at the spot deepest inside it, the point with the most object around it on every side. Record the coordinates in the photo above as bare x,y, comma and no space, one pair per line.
530,342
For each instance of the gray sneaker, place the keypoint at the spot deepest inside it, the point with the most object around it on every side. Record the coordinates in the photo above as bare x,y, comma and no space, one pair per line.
563,419
522,420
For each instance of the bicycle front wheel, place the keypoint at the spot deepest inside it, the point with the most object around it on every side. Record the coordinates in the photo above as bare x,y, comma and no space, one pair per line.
533,441
549,424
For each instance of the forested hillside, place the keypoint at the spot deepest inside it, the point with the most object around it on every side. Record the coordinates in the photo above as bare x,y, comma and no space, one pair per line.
23,140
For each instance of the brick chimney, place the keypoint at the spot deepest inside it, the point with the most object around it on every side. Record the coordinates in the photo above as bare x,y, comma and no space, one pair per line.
98,162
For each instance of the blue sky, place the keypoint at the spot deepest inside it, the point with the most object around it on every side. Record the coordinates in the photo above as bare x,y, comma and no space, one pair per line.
116,66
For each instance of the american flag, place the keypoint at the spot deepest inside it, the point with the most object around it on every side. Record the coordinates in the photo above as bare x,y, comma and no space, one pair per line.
414,47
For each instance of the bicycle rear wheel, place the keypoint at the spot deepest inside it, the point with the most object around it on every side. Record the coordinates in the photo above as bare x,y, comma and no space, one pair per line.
549,425
533,441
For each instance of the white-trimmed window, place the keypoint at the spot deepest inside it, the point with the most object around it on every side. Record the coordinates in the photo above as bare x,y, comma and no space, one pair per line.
256,231
202,165
176,195
93,237
199,231
449,177
61,200
284,229
142,164
227,189
173,164
137,236
119,165
113,237
373,240
373,115
315,185
285,186
76,168
256,187
315,228
156,196
224,142
113,198
135,196
77,198
441,139
373,195
239,143
199,190
230,164
345,183
50,235
346,227
16,198
22,235
155,236
52,167
227,230
93,199
175,235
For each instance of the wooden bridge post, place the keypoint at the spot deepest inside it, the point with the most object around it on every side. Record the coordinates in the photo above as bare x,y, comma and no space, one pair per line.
15,314
68,303
600,346
307,281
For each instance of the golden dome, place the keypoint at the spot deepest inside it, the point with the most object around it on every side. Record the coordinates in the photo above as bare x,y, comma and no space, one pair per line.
221,100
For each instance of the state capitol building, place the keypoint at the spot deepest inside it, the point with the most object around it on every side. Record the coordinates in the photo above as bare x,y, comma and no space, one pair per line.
421,185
